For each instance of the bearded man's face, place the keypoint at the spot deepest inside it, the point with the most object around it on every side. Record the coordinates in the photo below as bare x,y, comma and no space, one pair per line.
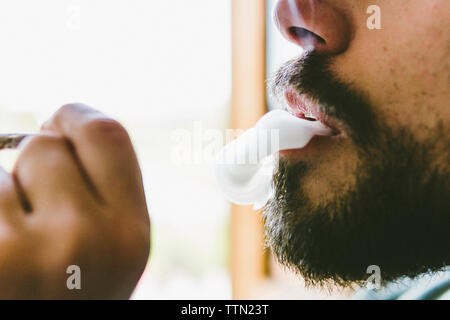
378,191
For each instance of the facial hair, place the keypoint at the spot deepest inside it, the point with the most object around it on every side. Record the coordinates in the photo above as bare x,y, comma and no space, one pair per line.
397,216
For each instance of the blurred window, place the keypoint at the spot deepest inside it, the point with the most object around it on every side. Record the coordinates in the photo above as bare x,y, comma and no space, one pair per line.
156,66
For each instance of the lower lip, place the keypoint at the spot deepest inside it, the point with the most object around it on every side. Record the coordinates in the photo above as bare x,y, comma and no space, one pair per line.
292,98
318,144
325,123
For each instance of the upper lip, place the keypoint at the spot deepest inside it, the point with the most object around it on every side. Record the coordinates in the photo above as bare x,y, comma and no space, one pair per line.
304,107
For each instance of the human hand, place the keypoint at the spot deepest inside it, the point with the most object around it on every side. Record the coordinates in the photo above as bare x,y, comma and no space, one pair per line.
74,197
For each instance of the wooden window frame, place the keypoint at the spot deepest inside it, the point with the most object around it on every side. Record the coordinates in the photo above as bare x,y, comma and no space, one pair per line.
248,104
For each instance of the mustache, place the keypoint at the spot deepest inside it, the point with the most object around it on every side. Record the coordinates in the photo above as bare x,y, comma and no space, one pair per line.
311,75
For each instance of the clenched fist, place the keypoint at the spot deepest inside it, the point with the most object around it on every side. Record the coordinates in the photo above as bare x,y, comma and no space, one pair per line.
75,197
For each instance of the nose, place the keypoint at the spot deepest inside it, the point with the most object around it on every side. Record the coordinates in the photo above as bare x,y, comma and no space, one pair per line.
313,25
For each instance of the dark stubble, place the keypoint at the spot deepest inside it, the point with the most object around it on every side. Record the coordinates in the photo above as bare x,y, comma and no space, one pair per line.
396,217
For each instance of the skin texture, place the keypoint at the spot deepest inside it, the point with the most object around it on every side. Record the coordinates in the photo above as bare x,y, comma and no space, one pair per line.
75,197
363,197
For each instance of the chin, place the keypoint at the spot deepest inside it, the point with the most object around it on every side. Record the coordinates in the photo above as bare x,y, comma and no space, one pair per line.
387,206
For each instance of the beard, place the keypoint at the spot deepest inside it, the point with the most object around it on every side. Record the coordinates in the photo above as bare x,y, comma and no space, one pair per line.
396,216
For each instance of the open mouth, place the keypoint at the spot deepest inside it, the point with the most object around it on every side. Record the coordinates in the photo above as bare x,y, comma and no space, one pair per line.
303,107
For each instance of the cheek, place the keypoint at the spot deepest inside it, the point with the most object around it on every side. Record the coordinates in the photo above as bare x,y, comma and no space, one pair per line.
404,68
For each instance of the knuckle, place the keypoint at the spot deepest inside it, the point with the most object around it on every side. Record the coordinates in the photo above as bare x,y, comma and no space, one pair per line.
105,128
44,142
58,115
67,108
43,150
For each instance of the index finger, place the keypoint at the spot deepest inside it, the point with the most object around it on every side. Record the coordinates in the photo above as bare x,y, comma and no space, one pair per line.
104,150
